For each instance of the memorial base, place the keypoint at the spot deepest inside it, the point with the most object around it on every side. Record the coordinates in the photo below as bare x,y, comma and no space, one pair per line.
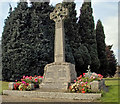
58,76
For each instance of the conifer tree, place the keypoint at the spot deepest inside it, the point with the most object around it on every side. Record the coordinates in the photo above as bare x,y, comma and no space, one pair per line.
42,35
14,56
70,29
112,62
87,33
100,37
27,40
79,51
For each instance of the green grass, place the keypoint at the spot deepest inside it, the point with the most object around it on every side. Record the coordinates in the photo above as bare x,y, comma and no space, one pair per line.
112,95
3,86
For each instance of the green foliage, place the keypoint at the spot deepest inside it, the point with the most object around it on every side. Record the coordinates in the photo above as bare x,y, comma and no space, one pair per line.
41,36
27,40
14,59
88,37
70,30
100,37
79,51
112,62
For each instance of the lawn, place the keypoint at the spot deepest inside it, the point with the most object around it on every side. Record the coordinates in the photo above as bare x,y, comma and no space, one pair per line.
3,86
112,95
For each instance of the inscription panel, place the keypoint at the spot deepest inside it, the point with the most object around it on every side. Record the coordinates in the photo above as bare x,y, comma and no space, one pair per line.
62,73
56,73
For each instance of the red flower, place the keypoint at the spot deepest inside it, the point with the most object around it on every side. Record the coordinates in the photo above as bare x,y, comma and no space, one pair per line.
74,80
83,73
27,84
35,79
70,87
14,86
30,77
79,77
83,91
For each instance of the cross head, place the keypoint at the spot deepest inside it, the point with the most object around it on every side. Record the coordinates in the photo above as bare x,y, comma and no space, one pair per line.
59,13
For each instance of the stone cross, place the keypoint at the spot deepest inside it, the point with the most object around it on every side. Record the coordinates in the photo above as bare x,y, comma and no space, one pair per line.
58,15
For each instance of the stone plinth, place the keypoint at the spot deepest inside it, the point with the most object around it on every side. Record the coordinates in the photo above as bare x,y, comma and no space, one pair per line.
58,76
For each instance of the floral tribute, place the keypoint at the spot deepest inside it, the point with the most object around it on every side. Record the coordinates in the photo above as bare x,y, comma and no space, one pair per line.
83,82
25,83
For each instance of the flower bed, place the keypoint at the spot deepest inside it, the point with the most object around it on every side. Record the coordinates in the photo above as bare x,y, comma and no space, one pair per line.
83,82
27,83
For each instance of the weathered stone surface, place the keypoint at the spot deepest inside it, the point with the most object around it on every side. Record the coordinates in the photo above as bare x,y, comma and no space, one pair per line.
11,85
54,95
97,86
58,76
58,15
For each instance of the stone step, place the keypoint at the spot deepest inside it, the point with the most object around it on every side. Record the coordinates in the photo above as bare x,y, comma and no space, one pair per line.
53,95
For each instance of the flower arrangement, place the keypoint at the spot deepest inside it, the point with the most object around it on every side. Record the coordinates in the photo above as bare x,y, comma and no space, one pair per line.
25,83
83,82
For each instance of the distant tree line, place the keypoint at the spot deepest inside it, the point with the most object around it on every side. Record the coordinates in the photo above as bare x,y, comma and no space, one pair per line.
28,41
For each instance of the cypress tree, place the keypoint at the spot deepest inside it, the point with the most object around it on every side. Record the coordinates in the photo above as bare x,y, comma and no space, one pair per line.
100,37
112,62
87,33
14,58
79,51
41,35
70,30
27,40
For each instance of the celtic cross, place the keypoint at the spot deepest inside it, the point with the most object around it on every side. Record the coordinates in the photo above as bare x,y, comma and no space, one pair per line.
58,15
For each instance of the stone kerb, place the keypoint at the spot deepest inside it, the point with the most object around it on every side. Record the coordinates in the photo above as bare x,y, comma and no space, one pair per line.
53,95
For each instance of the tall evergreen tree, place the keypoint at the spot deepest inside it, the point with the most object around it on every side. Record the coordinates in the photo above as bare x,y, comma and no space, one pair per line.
112,62
13,39
100,37
41,35
27,40
87,33
70,29
79,51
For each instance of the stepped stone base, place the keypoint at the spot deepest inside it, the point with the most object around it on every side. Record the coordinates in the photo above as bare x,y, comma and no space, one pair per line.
53,95
58,76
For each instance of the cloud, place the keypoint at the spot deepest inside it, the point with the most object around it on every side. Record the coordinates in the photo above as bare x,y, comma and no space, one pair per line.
9,0
111,32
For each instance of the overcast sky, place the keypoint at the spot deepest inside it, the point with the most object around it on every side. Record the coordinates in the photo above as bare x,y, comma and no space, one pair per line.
105,10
